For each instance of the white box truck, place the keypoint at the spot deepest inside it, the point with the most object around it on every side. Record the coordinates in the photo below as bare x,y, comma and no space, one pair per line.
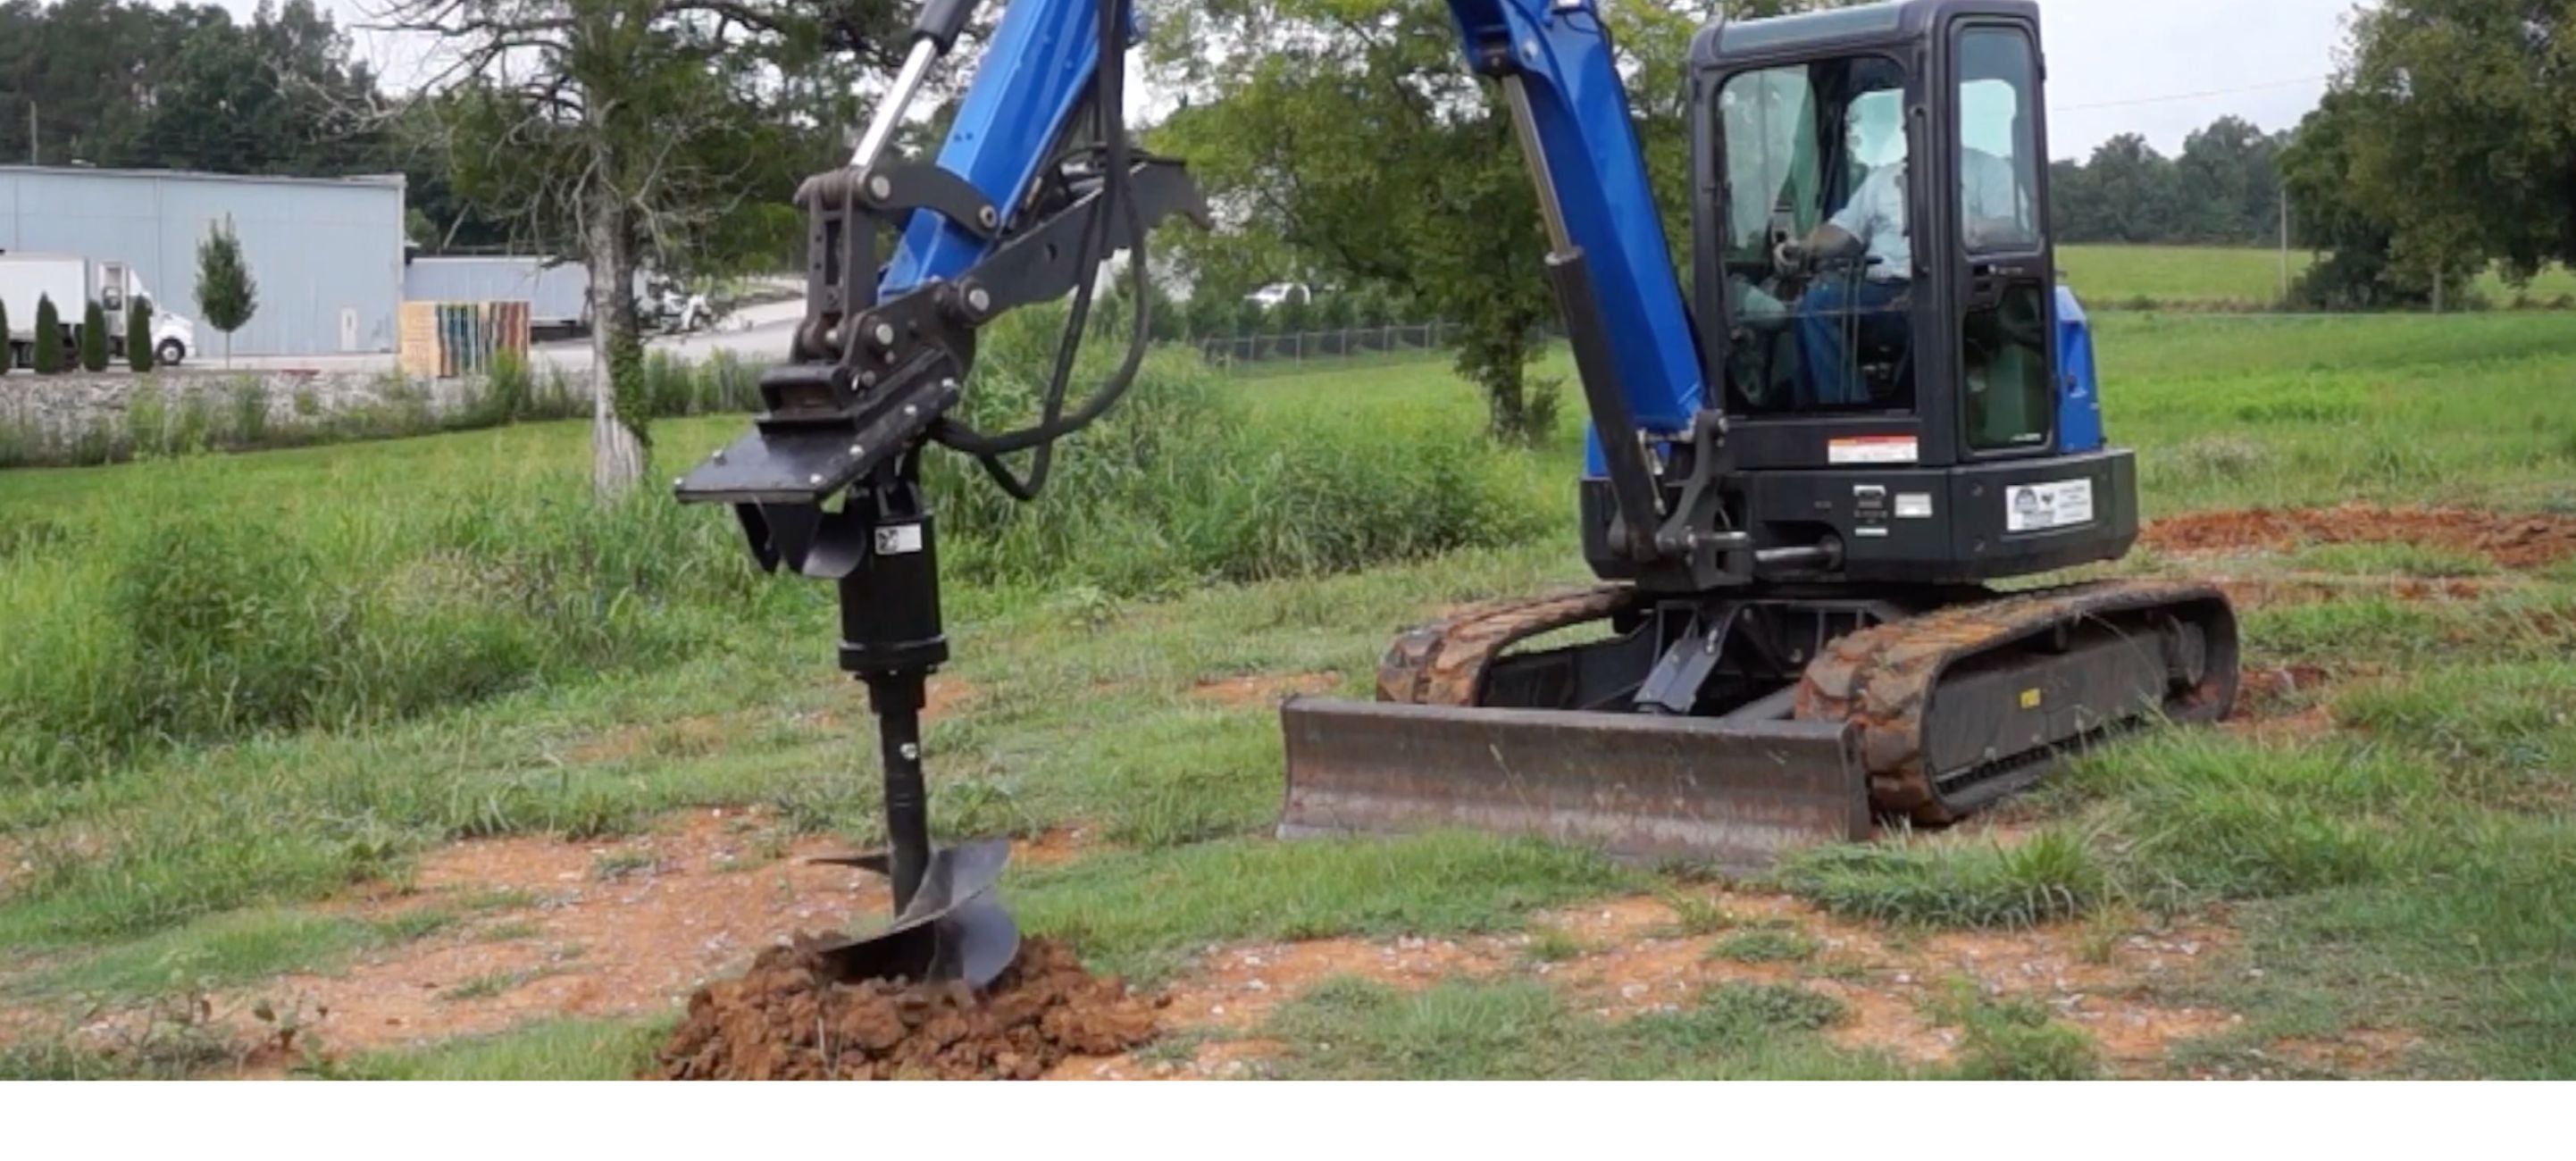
73,282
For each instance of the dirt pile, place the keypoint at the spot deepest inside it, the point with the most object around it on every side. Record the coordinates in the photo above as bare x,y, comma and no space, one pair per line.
782,1020
2511,541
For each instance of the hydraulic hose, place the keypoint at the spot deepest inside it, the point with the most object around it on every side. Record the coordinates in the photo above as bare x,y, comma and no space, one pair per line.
1109,118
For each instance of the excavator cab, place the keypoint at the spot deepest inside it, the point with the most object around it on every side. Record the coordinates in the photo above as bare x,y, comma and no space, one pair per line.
1920,357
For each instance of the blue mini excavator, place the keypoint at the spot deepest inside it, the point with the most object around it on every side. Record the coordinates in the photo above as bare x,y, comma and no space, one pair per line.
1871,404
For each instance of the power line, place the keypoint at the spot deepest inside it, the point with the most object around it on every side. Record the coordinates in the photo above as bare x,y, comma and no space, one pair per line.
2160,99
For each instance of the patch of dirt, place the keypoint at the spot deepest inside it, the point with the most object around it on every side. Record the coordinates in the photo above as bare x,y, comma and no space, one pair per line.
2517,541
585,929
1636,960
1233,989
1264,688
783,1021
947,695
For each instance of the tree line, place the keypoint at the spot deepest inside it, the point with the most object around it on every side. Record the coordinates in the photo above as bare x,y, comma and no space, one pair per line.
1341,140
2223,190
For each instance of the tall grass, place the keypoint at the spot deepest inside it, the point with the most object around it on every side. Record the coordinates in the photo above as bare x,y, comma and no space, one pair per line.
201,600
1185,483
193,623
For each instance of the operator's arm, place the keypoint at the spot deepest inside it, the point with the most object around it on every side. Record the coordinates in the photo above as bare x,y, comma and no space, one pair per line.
1847,231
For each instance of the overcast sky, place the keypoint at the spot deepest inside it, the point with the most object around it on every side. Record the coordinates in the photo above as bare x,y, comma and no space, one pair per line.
2158,67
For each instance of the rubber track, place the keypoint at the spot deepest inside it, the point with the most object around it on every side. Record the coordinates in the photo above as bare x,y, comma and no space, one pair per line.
1881,678
1878,677
1444,662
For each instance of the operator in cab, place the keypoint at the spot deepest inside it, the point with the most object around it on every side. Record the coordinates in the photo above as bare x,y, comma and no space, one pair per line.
1870,227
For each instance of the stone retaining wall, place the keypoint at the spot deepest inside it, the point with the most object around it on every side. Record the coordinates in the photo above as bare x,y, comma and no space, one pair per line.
63,404
85,418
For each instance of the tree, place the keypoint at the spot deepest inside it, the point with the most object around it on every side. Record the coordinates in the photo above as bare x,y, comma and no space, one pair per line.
2351,270
226,293
2461,127
616,130
138,335
125,83
2229,190
49,337
1370,306
1333,311
1300,115
93,338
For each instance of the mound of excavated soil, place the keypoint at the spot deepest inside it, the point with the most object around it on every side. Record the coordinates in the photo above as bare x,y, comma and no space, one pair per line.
2512,541
781,1020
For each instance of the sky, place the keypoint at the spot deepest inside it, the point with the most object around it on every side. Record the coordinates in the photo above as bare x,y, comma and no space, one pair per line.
2161,68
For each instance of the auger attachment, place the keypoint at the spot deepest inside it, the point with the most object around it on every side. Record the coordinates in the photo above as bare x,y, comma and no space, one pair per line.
881,550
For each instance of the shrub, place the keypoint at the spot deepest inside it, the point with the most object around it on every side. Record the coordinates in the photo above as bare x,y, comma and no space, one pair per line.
93,338
49,337
227,295
138,335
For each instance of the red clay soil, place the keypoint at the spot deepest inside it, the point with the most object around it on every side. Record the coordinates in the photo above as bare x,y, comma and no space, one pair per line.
2511,541
781,1020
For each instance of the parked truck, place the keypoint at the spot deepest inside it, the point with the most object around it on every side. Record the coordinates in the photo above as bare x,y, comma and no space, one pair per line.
73,282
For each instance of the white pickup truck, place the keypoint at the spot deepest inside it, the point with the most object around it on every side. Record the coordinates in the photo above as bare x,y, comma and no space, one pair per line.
73,282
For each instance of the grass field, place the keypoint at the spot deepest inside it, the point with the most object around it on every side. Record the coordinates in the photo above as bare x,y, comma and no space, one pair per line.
281,726
2241,276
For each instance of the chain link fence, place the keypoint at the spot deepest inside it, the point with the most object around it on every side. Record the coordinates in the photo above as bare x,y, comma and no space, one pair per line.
1299,347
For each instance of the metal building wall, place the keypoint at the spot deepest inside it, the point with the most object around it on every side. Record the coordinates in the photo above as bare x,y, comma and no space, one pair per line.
327,254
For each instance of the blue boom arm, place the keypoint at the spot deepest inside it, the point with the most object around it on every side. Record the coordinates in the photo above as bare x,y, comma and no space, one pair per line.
1025,92
1554,55
1553,59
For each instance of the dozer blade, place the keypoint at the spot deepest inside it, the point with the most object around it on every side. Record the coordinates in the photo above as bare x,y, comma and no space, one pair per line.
1642,787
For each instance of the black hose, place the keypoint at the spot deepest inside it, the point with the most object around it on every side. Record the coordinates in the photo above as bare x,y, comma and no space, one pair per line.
1109,116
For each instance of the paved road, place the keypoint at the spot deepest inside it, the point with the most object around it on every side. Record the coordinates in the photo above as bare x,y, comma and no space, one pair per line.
759,332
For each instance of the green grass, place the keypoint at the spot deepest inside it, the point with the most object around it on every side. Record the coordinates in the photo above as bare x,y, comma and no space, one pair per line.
556,1050
230,948
485,986
1139,914
1552,945
445,640
1348,1029
2109,276
2398,559
1953,882
1781,943
2014,1039
2238,276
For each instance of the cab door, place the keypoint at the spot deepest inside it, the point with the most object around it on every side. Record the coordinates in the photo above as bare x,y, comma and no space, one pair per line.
2005,267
